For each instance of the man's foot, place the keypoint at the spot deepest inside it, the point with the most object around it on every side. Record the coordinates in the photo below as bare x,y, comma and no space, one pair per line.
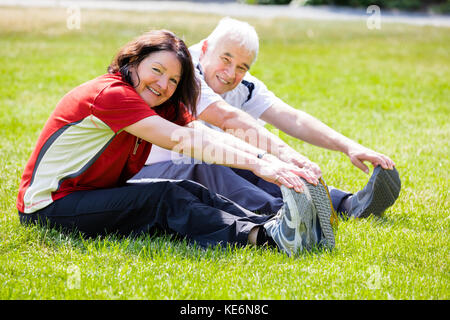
379,194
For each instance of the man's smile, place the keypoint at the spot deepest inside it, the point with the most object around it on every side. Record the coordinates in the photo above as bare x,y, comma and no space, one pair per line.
223,80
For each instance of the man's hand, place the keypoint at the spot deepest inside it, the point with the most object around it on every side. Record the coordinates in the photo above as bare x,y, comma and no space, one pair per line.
358,154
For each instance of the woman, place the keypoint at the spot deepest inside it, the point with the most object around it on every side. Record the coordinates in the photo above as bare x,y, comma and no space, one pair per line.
100,135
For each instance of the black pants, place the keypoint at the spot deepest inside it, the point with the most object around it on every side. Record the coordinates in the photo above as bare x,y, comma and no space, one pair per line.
240,186
181,207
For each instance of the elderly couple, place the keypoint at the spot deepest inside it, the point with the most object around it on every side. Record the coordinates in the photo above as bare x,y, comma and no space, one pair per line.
103,161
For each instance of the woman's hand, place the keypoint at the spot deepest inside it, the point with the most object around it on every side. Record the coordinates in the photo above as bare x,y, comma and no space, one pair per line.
311,171
281,173
303,162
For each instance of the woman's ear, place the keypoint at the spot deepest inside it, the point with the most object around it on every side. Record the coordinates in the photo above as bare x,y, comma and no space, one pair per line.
133,75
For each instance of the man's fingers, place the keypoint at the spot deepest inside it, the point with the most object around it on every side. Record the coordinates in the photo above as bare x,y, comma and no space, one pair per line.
378,159
360,165
390,164
382,162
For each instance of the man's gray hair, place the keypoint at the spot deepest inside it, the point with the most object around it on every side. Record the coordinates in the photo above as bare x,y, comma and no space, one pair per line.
238,31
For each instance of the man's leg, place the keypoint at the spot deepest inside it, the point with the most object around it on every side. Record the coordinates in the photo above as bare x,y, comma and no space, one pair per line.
218,179
379,194
182,208
338,199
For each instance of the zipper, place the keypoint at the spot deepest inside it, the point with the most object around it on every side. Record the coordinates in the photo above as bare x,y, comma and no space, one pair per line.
136,146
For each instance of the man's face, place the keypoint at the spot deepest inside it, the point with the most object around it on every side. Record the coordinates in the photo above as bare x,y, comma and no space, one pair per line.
225,65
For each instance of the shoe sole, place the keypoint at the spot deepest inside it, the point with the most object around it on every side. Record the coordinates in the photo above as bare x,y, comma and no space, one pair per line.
299,205
323,208
385,190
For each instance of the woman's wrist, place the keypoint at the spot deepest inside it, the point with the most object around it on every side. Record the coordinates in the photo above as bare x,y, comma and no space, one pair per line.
255,165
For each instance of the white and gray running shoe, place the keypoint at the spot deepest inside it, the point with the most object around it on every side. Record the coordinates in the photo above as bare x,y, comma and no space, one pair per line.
322,208
304,220
291,229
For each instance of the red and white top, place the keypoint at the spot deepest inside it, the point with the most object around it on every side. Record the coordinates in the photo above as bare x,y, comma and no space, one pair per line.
83,145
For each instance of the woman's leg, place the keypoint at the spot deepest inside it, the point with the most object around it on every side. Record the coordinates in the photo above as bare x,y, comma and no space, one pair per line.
337,196
218,179
241,186
183,208
268,187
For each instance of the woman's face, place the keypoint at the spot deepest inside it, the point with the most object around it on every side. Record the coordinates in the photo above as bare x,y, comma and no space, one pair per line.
157,77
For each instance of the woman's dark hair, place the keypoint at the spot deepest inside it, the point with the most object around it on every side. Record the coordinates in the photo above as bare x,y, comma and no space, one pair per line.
134,52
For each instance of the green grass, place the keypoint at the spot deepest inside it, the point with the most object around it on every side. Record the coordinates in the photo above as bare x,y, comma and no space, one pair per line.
387,89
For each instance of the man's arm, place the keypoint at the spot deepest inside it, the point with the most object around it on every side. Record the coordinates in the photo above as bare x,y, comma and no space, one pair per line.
225,138
239,123
239,144
303,126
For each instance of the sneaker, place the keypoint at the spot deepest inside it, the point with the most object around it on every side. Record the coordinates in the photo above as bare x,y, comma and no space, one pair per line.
379,194
323,211
292,228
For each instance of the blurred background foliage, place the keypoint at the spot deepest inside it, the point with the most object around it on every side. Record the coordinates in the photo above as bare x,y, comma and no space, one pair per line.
431,6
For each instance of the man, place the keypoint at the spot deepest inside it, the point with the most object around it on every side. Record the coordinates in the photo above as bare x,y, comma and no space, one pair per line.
234,101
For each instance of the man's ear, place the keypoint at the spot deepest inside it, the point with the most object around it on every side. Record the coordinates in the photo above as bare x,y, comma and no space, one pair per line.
204,48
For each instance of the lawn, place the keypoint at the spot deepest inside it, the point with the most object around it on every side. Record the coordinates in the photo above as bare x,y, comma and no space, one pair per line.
388,89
